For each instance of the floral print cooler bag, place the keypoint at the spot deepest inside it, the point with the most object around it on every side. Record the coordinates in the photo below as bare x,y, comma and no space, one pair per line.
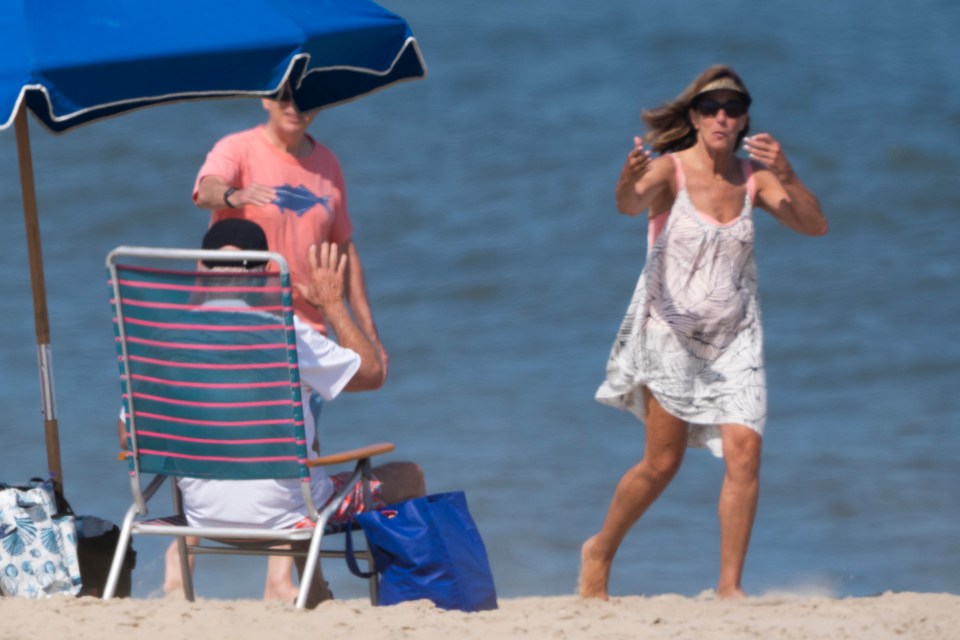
38,548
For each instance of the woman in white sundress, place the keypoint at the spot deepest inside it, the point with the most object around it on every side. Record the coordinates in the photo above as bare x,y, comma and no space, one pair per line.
688,359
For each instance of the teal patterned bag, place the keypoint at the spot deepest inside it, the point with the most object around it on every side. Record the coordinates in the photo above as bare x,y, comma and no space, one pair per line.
38,549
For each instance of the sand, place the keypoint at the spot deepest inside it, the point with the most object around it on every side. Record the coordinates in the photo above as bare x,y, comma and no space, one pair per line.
786,617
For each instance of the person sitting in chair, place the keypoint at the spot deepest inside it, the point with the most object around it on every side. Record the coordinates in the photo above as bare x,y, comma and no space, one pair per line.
327,368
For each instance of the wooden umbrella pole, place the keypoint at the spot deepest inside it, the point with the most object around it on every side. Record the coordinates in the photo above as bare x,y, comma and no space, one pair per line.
40,316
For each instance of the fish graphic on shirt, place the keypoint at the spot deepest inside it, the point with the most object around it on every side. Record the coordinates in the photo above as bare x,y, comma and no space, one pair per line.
299,200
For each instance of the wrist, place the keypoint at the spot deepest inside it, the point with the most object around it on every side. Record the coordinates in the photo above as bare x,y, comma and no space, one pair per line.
226,197
329,307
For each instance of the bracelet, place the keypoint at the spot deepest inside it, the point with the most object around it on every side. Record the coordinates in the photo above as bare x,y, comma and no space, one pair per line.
226,197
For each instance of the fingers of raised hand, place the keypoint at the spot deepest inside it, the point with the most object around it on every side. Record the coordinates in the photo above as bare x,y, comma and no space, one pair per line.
640,162
333,256
761,141
637,146
757,148
324,258
328,258
638,159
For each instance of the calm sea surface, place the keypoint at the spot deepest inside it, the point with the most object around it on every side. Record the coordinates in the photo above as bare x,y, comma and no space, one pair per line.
499,270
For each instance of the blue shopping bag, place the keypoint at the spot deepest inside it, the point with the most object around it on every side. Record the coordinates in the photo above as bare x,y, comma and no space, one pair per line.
429,548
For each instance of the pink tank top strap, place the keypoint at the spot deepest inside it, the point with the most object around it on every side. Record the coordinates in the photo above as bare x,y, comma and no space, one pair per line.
751,182
658,221
681,179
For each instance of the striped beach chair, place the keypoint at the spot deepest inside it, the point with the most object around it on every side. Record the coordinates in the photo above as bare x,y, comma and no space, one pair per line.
209,377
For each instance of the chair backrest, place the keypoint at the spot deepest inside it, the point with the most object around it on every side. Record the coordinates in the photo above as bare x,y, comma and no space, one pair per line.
208,365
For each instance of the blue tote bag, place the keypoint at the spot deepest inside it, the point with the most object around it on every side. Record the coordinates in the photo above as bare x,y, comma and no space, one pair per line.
430,548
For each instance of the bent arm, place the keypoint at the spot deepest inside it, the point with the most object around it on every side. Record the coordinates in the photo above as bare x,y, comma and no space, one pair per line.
370,374
357,292
794,205
212,189
642,181
325,291
781,192
360,305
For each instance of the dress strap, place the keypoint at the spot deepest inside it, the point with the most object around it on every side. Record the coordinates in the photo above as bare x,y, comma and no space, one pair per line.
658,221
681,178
747,167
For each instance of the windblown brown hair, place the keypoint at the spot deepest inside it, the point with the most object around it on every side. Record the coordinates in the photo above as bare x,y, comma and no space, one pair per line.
669,127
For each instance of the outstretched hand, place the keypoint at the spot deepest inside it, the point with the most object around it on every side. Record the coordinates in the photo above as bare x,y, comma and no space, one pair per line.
255,194
638,161
325,285
763,148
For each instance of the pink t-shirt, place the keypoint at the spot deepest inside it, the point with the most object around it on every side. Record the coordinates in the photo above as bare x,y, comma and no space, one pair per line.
311,206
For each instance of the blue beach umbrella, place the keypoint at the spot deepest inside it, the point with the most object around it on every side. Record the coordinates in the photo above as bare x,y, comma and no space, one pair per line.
71,62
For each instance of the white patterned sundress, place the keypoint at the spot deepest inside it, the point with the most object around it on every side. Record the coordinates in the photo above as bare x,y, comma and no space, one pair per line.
692,331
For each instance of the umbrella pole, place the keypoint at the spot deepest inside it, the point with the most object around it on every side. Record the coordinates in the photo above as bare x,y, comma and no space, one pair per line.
40,316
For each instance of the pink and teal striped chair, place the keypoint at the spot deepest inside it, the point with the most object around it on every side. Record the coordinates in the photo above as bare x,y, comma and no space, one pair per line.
208,369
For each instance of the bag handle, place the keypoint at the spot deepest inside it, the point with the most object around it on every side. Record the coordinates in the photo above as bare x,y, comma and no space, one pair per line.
351,556
59,499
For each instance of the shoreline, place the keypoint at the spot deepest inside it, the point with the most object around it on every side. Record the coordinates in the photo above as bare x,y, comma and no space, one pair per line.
930,616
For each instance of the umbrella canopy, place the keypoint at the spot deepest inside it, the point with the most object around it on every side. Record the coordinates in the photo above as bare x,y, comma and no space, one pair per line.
70,63
75,62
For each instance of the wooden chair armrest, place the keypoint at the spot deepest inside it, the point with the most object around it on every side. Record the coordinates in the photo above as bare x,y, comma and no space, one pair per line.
353,454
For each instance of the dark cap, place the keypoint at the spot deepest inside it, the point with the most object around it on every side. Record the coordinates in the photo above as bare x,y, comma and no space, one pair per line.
239,233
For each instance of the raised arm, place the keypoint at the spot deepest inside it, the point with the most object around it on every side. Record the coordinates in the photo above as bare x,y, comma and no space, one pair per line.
643,180
780,191
356,288
325,290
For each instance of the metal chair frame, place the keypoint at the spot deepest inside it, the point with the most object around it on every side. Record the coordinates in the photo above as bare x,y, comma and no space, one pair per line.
228,540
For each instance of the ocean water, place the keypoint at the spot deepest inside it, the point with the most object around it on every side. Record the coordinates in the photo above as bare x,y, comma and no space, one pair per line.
499,270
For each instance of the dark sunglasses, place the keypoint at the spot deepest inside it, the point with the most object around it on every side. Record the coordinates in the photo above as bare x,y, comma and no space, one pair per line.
709,107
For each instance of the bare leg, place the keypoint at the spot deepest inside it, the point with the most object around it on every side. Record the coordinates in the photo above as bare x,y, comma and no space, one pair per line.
738,504
666,441
400,481
279,584
173,579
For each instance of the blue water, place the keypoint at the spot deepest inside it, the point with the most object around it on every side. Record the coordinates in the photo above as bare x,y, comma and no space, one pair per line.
499,270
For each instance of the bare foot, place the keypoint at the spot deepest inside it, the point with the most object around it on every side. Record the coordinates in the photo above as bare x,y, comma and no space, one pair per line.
285,593
594,572
279,584
172,579
732,593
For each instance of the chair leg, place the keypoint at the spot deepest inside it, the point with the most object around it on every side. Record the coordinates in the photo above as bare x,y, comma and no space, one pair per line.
309,568
374,580
186,575
373,583
120,554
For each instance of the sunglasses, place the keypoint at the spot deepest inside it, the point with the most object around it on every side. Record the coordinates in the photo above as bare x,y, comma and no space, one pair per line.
709,107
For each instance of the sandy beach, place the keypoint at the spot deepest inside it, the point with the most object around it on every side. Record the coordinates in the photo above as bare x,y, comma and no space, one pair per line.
787,617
